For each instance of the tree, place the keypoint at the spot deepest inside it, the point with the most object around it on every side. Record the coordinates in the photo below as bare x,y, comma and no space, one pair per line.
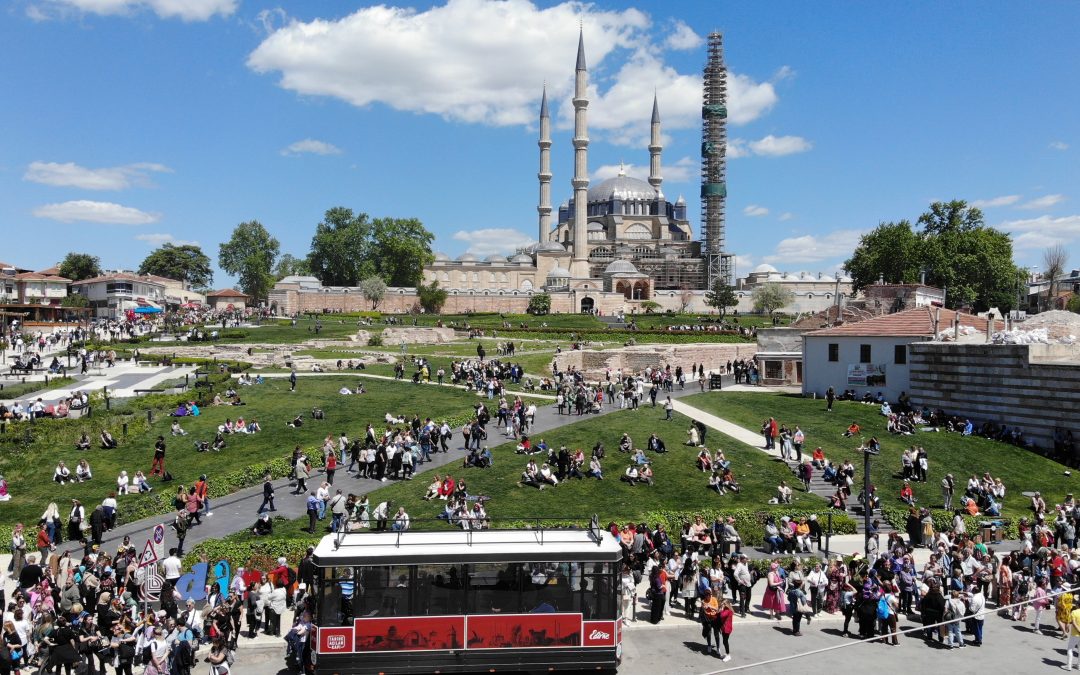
185,263
79,266
373,289
955,250
340,250
539,304
401,248
431,297
1073,305
249,254
75,300
1054,260
289,265
771,297
721,296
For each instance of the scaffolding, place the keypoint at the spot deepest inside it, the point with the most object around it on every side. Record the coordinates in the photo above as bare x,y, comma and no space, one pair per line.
718,263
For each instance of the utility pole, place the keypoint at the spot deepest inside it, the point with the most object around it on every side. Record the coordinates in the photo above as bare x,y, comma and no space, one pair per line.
868,508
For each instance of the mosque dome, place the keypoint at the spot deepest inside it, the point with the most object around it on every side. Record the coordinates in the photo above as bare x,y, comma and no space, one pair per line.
440,256
765,268
495,258
522,258
559,273
620,267
621,187
550,246
466,257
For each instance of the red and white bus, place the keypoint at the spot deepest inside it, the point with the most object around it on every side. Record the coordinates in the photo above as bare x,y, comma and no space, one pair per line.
453,601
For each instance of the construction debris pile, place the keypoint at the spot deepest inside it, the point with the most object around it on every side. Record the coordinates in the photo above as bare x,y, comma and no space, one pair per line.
1055,327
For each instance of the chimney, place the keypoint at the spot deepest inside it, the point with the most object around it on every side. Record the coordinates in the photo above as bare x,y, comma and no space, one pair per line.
956,327
937,320
989,326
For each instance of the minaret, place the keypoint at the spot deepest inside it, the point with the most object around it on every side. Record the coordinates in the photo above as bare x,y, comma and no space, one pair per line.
580,266
544,208
655,179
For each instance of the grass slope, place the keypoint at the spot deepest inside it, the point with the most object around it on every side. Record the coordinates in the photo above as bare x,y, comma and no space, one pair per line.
1019,469
679,485
29,473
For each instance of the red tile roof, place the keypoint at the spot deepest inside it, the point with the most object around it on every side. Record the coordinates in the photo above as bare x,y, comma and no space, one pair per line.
53,271
917,322
227,293
41,276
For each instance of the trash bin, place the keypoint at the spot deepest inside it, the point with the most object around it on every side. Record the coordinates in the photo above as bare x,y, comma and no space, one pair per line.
987,531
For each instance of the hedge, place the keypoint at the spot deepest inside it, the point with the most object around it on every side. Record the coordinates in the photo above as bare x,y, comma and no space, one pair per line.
241,550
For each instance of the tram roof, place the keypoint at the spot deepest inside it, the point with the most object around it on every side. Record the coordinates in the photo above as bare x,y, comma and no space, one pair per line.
478,546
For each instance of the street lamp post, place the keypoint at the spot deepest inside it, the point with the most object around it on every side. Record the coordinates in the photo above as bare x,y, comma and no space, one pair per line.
868,507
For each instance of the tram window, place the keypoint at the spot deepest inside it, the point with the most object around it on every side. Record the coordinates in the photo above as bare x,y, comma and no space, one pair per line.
336,606
551,588
598,594
384,591
496,588
438,590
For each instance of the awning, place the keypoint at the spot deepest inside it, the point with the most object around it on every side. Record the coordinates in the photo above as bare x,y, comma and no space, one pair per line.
148,310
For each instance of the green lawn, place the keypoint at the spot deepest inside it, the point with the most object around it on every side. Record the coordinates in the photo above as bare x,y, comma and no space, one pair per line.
1019,469
679,487
13,390
29,470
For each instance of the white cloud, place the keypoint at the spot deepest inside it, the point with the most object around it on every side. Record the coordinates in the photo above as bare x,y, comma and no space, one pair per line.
812,248
70,174
311,146
162,238
786,216
185,10
754,211
1059,145
736,148
83,210
1042,231
777,146
440,61
783,73
682,171
683,37
1044,202
493,240
1004,200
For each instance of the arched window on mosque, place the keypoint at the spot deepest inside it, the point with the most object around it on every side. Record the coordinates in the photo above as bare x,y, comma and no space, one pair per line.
446,277
526,285
601,252
491,277
637,231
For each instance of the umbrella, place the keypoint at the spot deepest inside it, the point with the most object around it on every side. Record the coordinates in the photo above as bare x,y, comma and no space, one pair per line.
148,310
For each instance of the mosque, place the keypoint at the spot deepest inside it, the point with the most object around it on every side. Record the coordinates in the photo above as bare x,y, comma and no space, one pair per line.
615,243
611,247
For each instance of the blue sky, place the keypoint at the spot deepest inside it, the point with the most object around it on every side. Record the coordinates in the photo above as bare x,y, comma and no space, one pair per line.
127,123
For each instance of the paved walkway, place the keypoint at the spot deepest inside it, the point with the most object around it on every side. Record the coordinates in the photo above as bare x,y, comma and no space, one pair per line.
123,380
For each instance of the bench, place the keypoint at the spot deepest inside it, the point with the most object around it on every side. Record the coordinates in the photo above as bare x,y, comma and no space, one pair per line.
149,391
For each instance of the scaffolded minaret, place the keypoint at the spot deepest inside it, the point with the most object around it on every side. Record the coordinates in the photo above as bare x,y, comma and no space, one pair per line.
579,267
718,263
544,208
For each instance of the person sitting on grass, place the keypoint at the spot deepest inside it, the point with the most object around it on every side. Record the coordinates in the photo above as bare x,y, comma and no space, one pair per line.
716,482
176,430
447,487
83,442
852,430
631,475
692,437
907,495
971,507
82,471
727,480
433,489
263,526
62,474
525,446
141,483
704,461
783,493
992,506
595,470
296,422
107,440
625,444
639,457
530,476
547,476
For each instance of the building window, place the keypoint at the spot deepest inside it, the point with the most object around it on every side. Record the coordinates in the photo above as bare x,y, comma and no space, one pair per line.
774,370
864,353
900,354
834,351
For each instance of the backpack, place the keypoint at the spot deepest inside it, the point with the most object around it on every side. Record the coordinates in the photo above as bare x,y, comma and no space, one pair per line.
883,609
291,574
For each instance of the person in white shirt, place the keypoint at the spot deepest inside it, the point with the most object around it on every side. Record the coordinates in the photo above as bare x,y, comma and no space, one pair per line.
818,582
171,567
62,474
401,520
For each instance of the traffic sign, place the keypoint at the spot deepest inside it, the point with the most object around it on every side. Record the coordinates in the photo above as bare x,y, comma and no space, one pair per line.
149,555
158,537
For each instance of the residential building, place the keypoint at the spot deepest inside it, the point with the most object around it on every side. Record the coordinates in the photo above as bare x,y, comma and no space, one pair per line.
110,295
228,298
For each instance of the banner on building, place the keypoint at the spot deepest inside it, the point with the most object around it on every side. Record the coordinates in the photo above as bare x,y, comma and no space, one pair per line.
866,374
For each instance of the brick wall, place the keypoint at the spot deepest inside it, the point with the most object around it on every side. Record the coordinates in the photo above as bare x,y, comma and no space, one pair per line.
637,358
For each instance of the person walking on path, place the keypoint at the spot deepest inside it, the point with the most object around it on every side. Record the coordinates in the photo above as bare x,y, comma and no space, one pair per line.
312,511
292,380
668,408
180,526
710,621
1074,635
301,472
268,495
202,491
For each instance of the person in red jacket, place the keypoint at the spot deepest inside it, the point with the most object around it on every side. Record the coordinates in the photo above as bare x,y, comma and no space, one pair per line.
725,619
